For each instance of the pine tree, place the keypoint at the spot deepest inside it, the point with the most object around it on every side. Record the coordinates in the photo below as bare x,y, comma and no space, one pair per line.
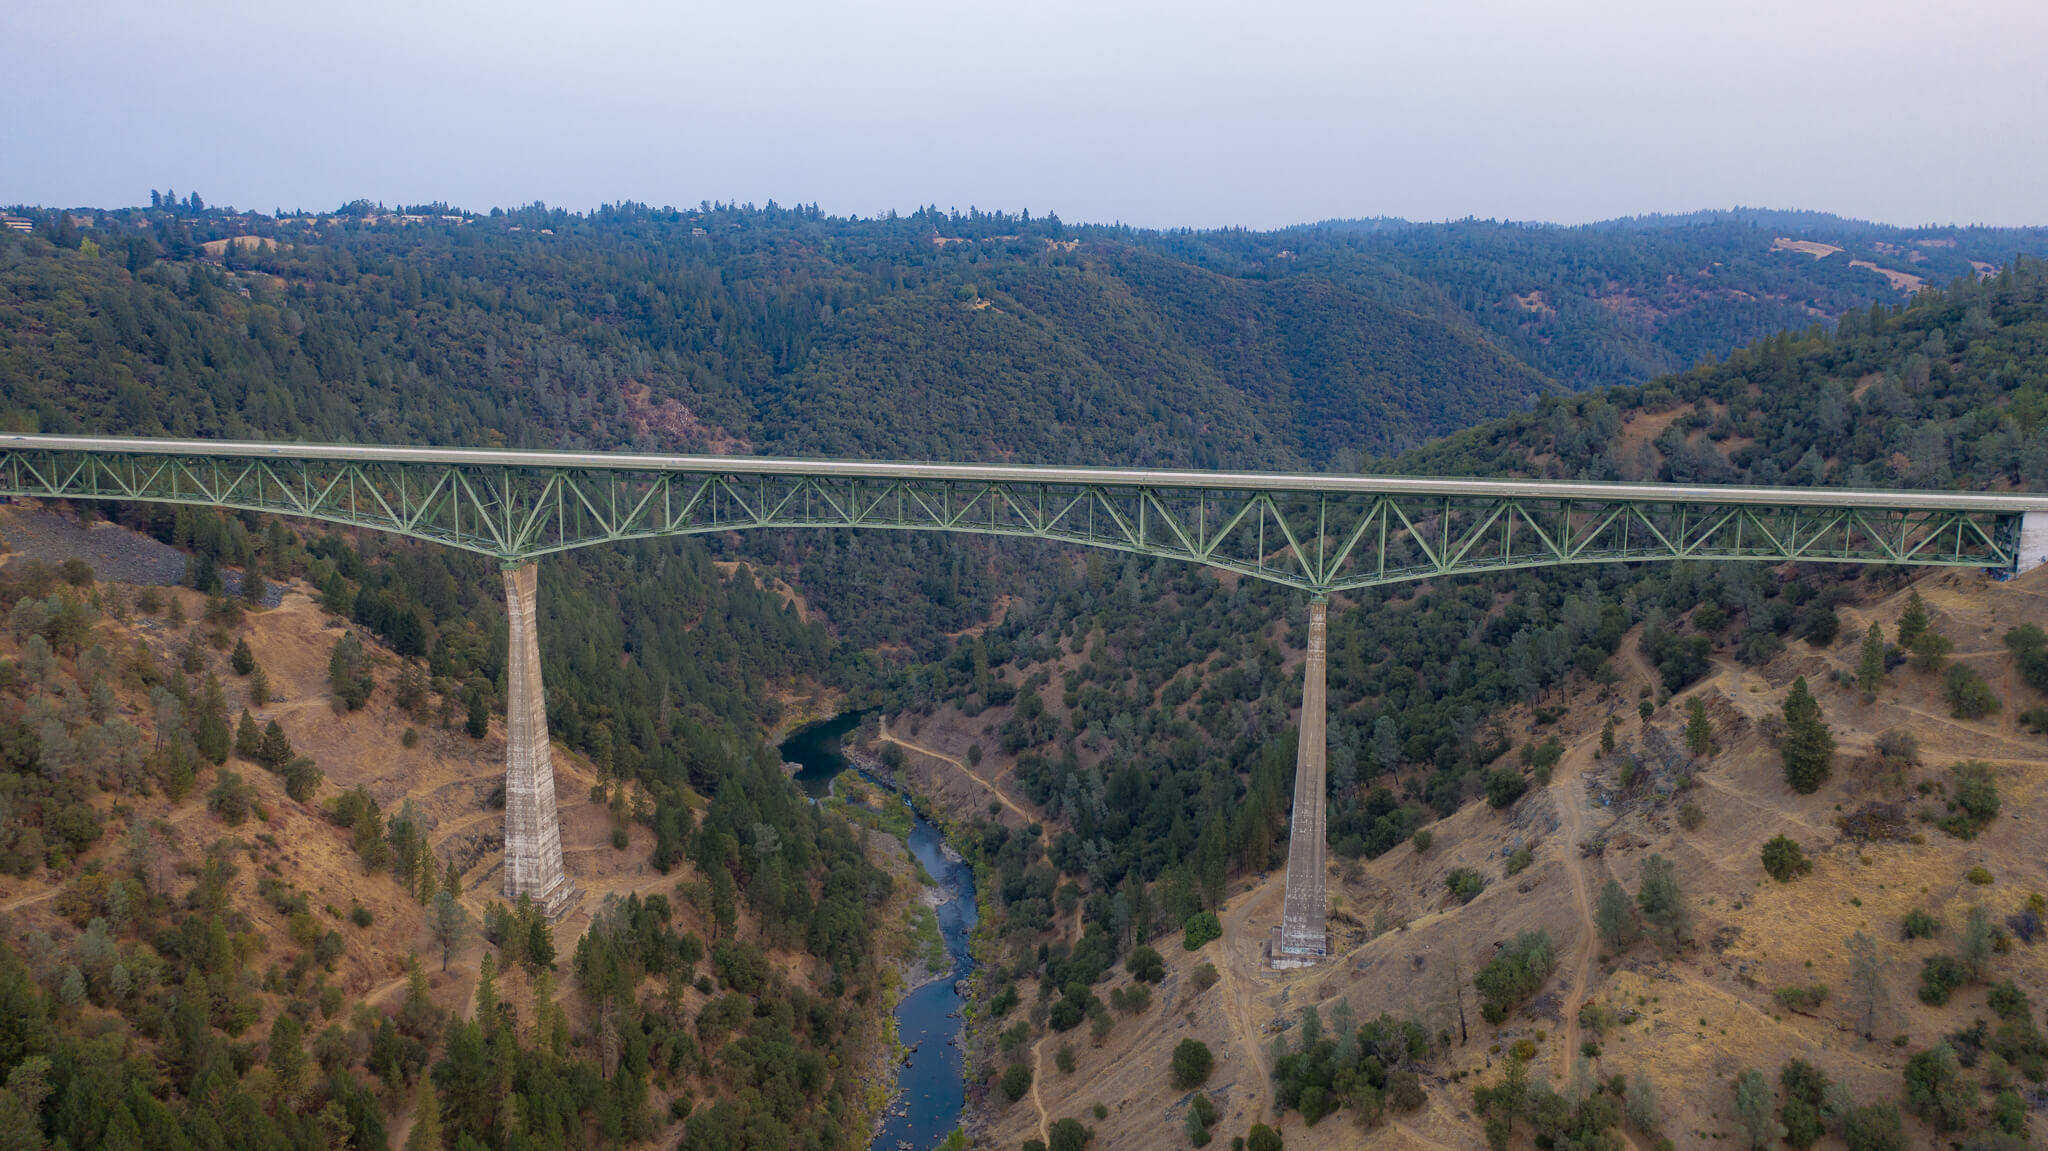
275,750
1699,728
248,737
259,687
1615,915
1809,747
243,660
1870,664
210,732
1664,904
451,882
426,1120
1913,620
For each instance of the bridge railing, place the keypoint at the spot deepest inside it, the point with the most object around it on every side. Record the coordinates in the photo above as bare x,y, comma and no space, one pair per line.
1318,533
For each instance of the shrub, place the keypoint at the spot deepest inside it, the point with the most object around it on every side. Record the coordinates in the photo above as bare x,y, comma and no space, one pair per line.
1692,817
1931,650
1505,785
1940,975
1262,1138
1422,839
1968,695
229,798
1145,965
1920,925
1514,974
1973,799
1465,884
1978,875
1206,977
1016,1081
1200,928
2029,647
1192,1063
1784,861
1520,861
1801,998
1898,748
1064,1059
1937,1090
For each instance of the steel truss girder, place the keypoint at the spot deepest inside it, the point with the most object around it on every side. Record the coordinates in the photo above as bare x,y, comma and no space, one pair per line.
1320,542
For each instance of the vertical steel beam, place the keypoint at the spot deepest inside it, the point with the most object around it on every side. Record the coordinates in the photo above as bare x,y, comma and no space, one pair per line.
1303,924
533,832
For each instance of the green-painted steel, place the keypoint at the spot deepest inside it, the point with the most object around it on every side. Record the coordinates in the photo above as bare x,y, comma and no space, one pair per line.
1319,533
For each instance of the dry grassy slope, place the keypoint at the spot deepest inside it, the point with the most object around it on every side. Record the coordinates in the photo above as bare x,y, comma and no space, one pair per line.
447,775
1754,935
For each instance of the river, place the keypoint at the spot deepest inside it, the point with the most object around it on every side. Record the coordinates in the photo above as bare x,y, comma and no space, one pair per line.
930,1089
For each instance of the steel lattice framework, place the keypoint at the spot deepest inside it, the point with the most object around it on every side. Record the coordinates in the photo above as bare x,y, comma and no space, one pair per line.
1319,533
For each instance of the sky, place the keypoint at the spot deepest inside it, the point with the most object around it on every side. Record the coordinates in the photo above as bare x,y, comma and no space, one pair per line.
1159,114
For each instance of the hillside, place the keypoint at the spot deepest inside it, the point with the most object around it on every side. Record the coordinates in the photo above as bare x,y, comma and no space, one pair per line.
210,956
1161,776
1685,1019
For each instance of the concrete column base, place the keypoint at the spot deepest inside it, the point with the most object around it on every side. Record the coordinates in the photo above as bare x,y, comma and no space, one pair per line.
533,831
1303,928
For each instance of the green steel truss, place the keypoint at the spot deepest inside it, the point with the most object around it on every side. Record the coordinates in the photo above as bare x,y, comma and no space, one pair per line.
1321,534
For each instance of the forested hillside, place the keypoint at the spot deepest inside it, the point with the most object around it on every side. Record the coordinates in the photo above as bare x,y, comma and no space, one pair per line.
1145,709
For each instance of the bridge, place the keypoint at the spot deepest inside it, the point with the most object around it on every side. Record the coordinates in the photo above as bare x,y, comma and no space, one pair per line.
1321,534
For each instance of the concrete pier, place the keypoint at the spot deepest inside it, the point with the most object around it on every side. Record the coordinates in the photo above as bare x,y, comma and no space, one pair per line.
2033,541
533,832
1303,935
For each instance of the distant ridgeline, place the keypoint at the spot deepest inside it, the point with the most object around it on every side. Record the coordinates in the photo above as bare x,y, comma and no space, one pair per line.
1164,758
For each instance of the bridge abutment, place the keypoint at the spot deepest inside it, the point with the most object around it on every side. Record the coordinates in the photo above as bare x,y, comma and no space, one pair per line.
1303,936
533,830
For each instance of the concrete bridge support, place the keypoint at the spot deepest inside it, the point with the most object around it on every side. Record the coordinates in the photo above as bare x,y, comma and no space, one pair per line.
1303,936
533,832
2033,547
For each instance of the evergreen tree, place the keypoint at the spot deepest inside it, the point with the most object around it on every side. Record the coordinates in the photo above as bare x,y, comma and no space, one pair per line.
1912,621
1870,663
210,729
243,660
1664,905
449,922
1699,728
1615,915
259,687
426,1121
1808,750
274,750
248,737
479,722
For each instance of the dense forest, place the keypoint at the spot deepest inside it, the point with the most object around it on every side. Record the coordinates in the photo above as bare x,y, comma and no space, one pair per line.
1164,756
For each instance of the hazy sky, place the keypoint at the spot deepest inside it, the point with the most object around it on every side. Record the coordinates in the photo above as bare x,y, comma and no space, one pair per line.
1161,113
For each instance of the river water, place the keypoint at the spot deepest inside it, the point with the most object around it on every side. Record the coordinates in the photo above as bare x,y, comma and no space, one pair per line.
930,1090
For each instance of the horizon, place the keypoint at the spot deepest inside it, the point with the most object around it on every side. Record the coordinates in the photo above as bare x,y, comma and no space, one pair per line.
1162,116
1736,213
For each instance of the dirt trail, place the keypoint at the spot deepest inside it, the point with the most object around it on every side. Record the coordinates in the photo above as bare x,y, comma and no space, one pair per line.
1238,991
1570,796
969,772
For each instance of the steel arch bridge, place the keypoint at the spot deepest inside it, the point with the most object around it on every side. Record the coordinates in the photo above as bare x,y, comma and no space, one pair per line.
1318,533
